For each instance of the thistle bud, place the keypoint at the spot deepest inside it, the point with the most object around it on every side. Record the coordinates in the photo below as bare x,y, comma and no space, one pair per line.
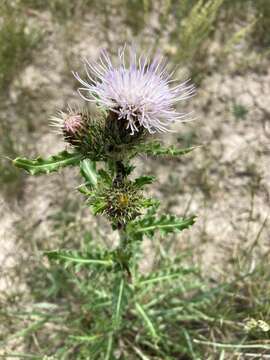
72,125
72,128
120,202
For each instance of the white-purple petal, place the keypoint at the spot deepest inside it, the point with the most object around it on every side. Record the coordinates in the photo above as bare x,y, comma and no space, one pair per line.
136,89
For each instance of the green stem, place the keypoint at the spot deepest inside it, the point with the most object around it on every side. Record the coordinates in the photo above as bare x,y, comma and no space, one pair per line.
120,172
123,238
124,251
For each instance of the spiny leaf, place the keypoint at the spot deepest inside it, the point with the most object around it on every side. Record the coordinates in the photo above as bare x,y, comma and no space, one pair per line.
144,180
155,148
46,166
164,275
150,326
88,171
119,300
165,224
73,258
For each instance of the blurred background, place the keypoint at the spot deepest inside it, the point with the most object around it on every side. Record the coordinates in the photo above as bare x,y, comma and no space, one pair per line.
224,47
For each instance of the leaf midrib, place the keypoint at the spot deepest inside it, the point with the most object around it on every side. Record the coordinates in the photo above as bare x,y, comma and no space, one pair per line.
47,163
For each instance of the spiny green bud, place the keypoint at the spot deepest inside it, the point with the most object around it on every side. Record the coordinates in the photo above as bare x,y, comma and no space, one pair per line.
120,202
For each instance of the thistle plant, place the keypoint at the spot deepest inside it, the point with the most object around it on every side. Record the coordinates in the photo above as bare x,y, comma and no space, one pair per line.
134,99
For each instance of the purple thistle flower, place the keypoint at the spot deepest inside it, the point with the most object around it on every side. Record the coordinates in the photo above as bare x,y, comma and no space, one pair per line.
138,91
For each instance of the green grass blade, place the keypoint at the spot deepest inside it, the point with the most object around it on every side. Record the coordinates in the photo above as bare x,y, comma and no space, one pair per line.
21,356
147,321
109,347
86,338
119,301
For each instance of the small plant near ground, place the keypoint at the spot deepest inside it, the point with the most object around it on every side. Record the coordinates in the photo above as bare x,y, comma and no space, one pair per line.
240,111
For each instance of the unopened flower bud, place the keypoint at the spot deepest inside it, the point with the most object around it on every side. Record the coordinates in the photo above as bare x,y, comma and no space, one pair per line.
72,128
71,124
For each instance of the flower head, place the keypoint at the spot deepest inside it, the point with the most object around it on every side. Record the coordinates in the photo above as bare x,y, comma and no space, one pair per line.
140,92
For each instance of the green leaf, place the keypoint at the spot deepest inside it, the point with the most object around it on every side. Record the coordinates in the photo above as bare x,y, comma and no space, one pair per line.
105,176
144,180
98,205
88,171
73,258
164,275
155,148
119,300
147,321
165,224
46,166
